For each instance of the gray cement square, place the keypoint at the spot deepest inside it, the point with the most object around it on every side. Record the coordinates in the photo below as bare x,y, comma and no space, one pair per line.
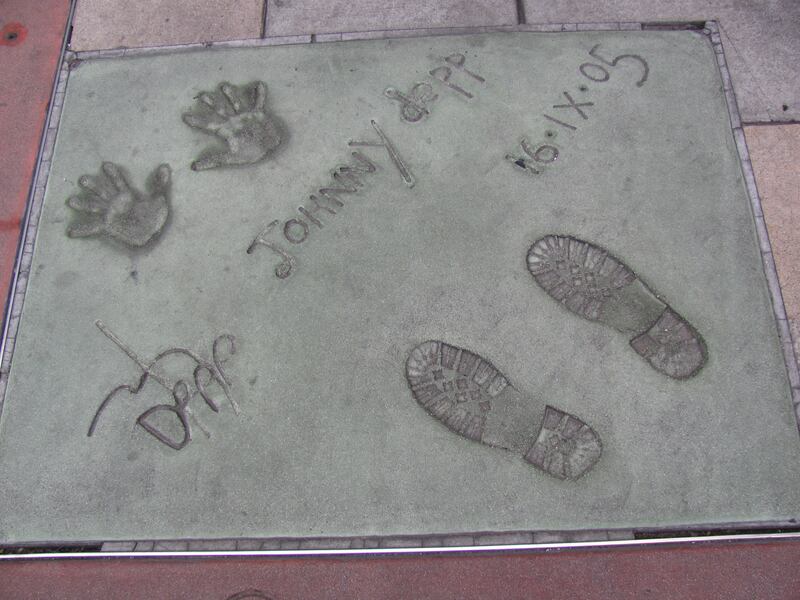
399,356
101,24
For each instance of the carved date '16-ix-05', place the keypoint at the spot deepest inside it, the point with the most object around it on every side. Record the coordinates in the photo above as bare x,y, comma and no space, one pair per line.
536,157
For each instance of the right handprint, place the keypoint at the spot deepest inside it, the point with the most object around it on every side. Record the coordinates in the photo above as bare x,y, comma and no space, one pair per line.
237,115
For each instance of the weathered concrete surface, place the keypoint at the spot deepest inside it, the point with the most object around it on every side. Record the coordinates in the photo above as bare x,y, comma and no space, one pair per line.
735,571
30,43
774,152
760,40
330,441
100,24
292,17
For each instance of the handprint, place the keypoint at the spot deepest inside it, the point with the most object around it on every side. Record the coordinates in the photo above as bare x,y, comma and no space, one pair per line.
236,115
108,205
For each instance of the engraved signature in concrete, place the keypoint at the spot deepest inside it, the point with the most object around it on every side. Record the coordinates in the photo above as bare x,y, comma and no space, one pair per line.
108,205
444,73
237,115
347,179
597,286
467,394
535,157
205,373
414,105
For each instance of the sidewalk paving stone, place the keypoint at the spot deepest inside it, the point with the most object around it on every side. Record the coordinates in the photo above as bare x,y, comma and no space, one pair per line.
734,571
775,154
760,38
31,37
102,24
291,17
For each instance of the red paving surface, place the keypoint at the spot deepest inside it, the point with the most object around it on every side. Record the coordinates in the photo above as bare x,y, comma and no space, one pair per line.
731,571
31,33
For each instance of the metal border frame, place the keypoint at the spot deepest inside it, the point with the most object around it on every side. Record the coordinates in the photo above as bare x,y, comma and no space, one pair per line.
340,553
399,544
13,309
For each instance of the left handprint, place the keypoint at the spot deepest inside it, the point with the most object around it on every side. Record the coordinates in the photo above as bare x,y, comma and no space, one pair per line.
238,117
109,206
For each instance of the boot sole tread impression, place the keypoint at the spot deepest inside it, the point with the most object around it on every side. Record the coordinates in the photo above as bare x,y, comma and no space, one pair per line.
472,398
597,286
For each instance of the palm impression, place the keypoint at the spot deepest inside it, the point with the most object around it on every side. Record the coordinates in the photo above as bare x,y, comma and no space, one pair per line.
108,205
237,116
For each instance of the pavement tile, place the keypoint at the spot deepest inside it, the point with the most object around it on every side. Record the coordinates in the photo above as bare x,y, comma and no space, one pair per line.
101,24
30,43
760,40
734,571
774,152
290,17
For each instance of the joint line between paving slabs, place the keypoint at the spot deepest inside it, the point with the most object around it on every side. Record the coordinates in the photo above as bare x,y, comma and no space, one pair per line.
520,12
22,264
771,123
765,246
264,19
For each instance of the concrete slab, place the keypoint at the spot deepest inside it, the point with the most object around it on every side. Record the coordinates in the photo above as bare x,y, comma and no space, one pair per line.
292,17
348,357
101,24
773,152
760,40
31,37
735,571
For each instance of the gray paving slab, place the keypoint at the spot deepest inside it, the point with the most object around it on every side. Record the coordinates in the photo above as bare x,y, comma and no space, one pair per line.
101,24
760,40
141,269
774,152
292,17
